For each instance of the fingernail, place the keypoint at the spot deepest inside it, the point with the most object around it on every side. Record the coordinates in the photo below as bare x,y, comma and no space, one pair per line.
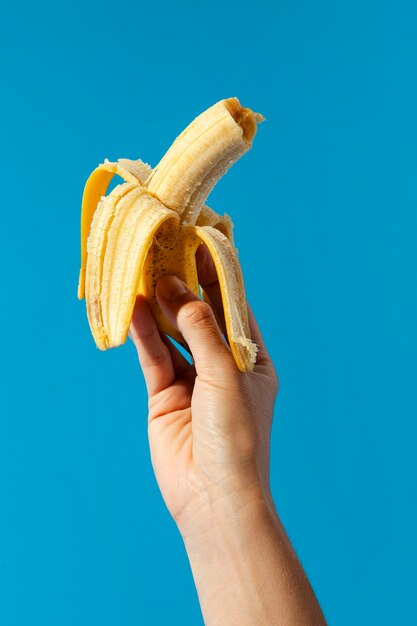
173,288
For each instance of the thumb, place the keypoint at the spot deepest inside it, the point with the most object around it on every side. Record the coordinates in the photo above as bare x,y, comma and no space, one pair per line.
196,322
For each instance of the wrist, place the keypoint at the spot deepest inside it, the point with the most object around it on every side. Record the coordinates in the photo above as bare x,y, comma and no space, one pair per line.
215,517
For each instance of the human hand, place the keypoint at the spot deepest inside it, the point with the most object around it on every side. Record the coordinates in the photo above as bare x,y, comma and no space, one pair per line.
209,423
209,431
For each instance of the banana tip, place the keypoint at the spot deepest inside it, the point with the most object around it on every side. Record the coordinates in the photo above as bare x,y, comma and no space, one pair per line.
246,118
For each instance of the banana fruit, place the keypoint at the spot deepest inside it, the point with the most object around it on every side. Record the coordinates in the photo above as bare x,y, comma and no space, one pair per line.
151,225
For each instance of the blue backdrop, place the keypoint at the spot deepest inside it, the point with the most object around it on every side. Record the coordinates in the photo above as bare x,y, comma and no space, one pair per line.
330,264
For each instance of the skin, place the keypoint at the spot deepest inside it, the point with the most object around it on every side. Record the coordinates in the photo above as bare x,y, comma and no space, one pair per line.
209,433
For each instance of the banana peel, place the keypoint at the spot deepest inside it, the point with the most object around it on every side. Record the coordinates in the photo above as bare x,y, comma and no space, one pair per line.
152,224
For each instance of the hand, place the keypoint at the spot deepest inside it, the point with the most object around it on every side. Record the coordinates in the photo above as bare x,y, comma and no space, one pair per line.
209,423
209,432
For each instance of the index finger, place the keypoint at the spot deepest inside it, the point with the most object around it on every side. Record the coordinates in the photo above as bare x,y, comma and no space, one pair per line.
154,355
208,279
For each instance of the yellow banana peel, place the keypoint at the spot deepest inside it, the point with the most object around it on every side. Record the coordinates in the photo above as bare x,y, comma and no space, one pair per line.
152,224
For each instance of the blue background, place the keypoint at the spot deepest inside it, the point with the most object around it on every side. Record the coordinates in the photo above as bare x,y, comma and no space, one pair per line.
325,214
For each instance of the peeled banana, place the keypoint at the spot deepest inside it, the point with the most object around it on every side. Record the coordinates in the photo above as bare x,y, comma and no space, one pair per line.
152,224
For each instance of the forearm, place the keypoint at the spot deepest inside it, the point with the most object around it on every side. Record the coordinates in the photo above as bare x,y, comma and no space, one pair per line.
245,569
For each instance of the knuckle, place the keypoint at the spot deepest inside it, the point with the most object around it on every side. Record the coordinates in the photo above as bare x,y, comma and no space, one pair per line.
145,333
198,313
153,360
220,372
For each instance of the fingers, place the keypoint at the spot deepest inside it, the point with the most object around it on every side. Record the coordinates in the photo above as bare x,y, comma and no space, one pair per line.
161,362
208,279
195,321
154,355
180,363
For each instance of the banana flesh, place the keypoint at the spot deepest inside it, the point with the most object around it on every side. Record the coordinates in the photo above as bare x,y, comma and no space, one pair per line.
130,237
152,224
97,241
